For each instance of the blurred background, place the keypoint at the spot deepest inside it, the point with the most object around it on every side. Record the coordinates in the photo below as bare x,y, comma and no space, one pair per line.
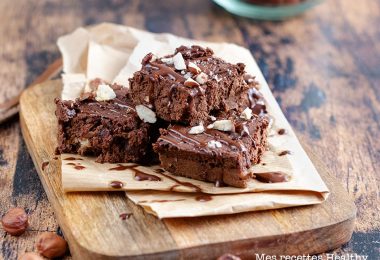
320,58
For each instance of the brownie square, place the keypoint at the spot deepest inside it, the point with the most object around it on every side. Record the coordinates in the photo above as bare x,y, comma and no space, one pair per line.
108,129
187,86
219,156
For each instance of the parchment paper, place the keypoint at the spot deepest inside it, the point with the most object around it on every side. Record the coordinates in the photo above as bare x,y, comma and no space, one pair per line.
305,185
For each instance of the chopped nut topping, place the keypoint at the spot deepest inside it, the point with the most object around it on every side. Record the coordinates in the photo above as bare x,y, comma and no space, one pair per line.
222,125
246,114
193,68
179,62
168,61
104,93
202,78
146,114
214,144
197,129
191,83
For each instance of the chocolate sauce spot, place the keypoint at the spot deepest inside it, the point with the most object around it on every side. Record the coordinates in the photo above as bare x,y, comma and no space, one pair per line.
263,164
70,163
72,159
142,176
79,167
203,198
284,153
44,164
122,167
116,184
125,216
271,177
281,131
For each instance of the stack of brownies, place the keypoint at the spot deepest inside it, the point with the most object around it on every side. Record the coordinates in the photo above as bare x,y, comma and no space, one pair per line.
202,116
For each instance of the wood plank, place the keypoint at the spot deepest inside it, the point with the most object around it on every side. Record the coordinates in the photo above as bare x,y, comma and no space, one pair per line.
91,224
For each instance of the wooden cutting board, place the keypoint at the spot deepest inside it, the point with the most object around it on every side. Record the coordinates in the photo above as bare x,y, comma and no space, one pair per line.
94,230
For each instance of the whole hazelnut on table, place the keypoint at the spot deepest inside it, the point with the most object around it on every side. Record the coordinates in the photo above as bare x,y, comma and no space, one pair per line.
30,256
51,245
15,221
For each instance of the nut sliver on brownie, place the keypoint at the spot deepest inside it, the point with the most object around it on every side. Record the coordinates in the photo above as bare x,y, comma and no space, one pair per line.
219,156
186,86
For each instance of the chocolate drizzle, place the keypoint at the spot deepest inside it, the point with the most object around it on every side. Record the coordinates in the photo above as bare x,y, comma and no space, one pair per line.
44,164
271,177
116,184
203,198
139,175
164,70
79,167
284,153
179,183
125,216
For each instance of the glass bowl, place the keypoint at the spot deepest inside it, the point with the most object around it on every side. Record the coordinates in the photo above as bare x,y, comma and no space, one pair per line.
266,12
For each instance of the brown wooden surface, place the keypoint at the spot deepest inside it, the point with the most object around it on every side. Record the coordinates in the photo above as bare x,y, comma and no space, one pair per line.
323,67
93,229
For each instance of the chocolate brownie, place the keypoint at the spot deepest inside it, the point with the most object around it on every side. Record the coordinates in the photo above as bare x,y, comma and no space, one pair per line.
186,86
222,152
103,124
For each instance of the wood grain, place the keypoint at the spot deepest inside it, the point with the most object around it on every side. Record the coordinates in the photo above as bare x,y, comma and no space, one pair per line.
91,223
321,66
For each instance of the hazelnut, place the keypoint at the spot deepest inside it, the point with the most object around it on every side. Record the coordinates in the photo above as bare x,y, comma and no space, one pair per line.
30,256
15,221
51,245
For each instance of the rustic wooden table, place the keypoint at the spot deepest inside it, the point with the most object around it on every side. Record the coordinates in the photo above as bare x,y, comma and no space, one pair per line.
323,67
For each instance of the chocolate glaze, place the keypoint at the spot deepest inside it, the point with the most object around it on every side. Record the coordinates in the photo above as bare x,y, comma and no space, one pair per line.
44,164
281,131
139,175
164,70
125,216
179,183
271,177
284,153
203,198
116,184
